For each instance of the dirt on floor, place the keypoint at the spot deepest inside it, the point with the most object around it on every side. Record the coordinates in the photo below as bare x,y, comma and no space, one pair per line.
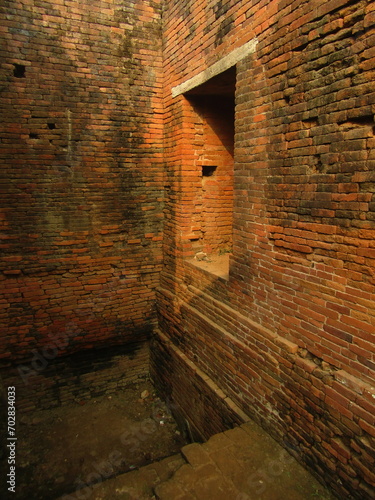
62,450
213,263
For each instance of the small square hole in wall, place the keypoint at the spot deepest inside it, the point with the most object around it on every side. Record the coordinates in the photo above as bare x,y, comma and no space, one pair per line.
208,170
19,71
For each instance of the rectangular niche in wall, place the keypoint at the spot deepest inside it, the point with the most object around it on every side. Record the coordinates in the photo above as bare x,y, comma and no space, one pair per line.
212,105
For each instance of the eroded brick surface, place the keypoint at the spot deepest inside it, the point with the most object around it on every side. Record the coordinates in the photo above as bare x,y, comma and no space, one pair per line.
290,336
81,156
89,122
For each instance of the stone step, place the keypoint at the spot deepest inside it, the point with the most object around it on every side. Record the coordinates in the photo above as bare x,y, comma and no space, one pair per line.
204,483
201,478
243,463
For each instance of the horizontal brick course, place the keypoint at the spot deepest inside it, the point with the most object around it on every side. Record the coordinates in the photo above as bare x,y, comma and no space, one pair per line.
300,296
92,142
81,156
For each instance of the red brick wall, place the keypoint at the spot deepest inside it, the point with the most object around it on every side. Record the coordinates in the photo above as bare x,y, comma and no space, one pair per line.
290,336
213,193
81,166
198,405
47,380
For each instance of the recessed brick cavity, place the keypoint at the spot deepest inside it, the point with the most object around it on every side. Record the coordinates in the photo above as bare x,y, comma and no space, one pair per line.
213,132
19,71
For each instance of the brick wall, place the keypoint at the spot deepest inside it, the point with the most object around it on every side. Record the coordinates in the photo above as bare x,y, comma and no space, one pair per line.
290,336
81,164
198,405
212,184
48,381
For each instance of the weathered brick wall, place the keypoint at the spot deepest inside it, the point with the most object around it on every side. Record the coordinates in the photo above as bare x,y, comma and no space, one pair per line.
81,166
290,336
211,224
48,381
198,405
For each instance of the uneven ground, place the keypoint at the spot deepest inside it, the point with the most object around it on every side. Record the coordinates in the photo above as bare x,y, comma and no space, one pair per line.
243,463
113,447
71,447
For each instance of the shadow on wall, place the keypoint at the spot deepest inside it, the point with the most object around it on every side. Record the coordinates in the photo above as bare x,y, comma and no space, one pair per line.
82,207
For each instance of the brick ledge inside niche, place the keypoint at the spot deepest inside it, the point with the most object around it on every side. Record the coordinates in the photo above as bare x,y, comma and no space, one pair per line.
217,265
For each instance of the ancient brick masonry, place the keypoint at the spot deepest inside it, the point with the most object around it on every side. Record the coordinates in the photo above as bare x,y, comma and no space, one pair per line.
80,149
89,122
289,338
212,188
